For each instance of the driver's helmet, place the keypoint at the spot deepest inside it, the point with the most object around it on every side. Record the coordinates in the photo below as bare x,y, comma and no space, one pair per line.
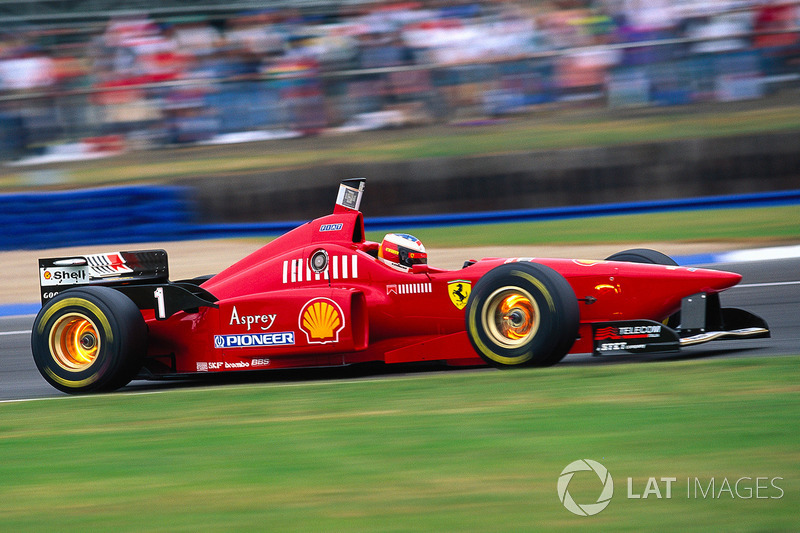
401,251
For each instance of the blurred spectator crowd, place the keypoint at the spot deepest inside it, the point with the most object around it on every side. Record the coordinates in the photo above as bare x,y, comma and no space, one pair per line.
139,82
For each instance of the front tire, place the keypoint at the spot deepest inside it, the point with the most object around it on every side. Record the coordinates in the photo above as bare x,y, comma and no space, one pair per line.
653,257
643,255
522,314
89,339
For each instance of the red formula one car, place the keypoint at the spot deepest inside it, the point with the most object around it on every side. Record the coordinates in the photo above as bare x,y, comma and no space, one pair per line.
321,295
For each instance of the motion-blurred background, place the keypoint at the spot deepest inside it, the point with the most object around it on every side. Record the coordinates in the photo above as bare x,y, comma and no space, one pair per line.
148,121
255,108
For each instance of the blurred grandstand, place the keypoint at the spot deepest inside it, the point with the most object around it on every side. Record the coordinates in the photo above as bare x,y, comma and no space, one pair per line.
82,79
64,12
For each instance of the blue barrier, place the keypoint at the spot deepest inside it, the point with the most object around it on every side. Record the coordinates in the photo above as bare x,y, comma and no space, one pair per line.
164,213
93,216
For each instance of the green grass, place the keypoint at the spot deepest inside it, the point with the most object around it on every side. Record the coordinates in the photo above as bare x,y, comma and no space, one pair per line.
759,225
454,451
541,130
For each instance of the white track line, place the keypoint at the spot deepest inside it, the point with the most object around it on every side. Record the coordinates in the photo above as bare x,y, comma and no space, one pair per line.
770,284
20,332
122,393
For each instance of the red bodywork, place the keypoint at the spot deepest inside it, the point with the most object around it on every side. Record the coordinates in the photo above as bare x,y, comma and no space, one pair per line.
275,312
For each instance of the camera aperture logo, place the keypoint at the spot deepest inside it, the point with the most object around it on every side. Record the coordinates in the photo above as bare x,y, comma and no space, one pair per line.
586,509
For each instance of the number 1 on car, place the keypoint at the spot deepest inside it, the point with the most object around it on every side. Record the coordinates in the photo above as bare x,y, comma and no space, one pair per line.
161,312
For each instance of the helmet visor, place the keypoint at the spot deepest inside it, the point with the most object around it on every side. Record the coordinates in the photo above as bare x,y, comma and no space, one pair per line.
409,257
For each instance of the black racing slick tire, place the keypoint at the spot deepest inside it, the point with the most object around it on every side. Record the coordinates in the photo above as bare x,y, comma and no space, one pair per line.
643,255
89,339
522,314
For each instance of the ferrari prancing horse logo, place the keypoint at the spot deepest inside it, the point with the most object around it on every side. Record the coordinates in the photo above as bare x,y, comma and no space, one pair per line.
459,292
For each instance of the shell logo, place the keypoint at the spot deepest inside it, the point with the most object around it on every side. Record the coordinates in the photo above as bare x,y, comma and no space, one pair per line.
321,319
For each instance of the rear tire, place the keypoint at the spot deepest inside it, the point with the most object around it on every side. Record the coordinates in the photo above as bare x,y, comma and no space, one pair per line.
522,314
89,339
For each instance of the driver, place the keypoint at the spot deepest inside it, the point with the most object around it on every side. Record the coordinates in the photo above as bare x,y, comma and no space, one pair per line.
401,251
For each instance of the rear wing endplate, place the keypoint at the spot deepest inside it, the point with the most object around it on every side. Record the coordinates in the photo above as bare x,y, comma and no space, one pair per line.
115,268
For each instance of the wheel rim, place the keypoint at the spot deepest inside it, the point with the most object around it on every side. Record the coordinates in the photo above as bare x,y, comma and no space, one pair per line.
510,317
74,342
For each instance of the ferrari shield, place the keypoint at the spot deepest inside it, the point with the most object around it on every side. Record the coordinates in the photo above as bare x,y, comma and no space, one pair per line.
459,292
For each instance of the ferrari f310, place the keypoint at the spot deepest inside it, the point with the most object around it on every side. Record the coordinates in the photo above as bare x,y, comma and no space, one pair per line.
322,295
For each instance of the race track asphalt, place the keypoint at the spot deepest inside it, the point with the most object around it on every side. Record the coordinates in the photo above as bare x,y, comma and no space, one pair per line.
770,289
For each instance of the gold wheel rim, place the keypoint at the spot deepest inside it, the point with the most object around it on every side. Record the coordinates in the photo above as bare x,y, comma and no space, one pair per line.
510,317
74,342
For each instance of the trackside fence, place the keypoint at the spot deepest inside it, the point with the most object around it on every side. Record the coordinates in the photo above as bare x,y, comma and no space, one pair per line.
133,214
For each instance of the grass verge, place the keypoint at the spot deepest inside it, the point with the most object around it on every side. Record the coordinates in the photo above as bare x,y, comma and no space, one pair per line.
545,130
455,451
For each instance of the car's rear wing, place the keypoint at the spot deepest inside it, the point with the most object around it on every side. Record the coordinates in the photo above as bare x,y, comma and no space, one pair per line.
60,273
143,276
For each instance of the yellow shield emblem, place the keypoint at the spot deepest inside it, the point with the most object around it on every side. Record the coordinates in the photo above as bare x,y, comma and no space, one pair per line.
459,292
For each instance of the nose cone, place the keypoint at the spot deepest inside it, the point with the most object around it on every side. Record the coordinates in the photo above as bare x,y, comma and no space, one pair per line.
667,282
713,280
